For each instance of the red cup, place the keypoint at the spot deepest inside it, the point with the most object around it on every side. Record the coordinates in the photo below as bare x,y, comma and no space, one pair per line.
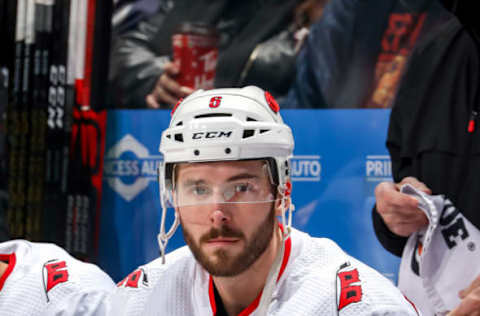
195,51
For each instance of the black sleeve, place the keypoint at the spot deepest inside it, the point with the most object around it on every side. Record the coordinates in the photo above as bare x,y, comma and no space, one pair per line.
135,63
432,95
401,167
391,242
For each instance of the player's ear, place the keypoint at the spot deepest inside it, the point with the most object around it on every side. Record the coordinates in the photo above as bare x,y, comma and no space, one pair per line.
278,204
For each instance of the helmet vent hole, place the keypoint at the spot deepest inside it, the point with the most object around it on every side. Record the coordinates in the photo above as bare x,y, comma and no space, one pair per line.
196,152
228,150
179,137
213,115
249,119
180,123
169,136
248,133
264,131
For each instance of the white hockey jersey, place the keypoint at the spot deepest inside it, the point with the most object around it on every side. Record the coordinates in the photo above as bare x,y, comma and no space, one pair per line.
43,279
440,260
316,278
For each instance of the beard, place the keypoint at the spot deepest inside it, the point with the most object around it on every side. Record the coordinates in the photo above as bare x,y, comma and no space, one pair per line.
221,263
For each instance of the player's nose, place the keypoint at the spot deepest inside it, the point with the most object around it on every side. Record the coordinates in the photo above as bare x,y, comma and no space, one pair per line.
219,217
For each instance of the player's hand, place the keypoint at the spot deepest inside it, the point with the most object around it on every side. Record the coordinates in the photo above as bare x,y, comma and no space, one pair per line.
400,211
167,90
470,304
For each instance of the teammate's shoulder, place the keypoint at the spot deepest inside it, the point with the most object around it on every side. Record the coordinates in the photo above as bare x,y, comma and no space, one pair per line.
33,251
64,273
50,276
139,288
148,274
15,245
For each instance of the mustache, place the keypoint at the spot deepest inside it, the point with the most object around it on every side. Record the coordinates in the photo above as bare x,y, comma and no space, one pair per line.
224,231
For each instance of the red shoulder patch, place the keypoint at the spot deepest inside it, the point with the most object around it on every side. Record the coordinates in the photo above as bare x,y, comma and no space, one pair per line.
56,272
132,280
349,287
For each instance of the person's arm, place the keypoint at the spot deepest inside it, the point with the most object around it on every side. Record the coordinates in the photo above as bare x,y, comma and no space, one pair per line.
391,242
395,215
325,51
135,65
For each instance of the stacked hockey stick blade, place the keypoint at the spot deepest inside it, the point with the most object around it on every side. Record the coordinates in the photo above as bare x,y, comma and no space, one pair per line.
51,189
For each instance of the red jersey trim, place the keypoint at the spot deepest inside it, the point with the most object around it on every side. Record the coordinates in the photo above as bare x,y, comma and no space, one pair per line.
211,296
250,308
413,305
12,260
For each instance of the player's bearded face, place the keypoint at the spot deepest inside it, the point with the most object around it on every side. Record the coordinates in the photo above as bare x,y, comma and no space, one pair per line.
224,263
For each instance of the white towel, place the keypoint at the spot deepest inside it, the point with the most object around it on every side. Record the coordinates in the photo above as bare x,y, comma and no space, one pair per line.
440,260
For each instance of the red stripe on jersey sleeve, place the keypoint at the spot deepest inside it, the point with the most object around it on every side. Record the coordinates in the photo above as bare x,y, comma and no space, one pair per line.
12,260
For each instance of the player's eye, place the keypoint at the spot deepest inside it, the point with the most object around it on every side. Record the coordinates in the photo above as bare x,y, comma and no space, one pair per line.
243,187
200,190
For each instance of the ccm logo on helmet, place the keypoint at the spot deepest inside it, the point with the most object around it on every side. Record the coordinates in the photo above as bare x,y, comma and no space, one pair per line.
209,135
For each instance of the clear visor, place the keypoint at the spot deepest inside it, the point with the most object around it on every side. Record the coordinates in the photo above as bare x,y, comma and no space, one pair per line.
247,191
196,195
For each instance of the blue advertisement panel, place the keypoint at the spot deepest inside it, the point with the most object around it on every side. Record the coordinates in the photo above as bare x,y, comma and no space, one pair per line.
339,158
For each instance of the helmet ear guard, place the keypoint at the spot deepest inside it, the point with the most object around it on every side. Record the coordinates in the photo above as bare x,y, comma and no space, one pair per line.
244,124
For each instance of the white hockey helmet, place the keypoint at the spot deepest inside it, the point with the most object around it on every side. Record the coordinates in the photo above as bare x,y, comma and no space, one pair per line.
222,125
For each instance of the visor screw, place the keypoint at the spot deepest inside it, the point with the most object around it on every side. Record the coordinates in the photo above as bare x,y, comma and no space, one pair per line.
228,150
196,152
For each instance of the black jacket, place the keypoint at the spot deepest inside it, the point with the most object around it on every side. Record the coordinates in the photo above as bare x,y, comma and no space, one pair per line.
256,46
427,135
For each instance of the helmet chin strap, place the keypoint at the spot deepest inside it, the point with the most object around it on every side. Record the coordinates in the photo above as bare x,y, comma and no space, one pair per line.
271,281
163,236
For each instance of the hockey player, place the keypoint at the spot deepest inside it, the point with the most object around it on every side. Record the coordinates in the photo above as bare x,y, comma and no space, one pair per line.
43,279
226,177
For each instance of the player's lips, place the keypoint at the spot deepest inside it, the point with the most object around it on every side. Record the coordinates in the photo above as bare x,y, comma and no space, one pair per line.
219,242
222,240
